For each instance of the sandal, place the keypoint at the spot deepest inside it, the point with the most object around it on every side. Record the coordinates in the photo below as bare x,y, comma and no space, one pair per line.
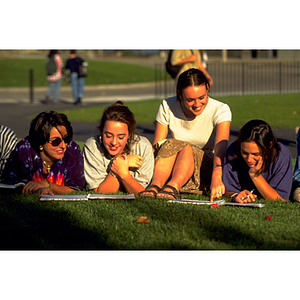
149,189
175,194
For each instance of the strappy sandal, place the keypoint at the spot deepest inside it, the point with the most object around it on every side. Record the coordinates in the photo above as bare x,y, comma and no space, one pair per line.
175,194
149,189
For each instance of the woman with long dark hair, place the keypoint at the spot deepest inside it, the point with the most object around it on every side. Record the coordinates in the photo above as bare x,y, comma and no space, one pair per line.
257,165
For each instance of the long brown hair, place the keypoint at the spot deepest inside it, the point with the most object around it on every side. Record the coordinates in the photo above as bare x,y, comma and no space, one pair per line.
119,112
259,132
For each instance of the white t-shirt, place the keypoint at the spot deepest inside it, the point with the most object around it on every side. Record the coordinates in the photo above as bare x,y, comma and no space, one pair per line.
198,131
97,164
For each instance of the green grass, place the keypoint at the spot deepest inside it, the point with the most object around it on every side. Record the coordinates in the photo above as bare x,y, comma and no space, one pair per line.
144,112
15,73
280,111
28,224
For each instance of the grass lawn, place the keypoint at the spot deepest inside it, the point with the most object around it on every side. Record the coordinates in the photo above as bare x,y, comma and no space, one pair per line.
280,111
15,73
28,224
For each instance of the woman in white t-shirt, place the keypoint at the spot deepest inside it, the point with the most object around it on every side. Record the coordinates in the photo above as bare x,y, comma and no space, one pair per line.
191,161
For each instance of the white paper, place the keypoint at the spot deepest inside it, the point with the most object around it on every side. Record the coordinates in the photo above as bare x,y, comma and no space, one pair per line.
11,186
250,204
63,197
113,197
219,202
86,197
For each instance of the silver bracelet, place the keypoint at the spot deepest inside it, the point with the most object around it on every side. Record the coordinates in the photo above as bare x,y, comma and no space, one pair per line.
112,174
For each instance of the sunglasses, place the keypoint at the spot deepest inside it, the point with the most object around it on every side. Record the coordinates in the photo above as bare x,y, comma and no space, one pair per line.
57,141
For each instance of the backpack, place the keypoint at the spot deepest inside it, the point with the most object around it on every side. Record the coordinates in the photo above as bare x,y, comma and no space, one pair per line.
172,70
51,65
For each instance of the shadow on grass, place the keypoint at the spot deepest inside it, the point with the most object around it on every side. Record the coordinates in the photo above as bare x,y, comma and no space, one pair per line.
28,225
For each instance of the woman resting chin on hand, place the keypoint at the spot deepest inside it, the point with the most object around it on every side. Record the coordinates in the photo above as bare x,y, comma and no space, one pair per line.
117,158
257,165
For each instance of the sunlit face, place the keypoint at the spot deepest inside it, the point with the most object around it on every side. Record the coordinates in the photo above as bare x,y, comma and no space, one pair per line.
114,137
56,152
251,153
194,99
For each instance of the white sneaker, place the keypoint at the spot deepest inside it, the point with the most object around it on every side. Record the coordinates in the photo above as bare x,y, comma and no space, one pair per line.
296,195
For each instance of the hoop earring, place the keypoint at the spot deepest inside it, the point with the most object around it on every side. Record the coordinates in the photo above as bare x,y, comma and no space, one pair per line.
41,148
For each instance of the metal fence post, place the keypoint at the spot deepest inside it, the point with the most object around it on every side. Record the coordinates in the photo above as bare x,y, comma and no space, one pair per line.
31,85
243,78
280,70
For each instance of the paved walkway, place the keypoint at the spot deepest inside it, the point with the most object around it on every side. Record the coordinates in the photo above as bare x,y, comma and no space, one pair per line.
16,109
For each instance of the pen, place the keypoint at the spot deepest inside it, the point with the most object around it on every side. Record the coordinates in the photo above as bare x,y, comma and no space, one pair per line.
249,194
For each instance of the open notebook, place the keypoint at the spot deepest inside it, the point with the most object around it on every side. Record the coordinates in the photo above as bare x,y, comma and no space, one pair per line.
219,202
11,186
86,197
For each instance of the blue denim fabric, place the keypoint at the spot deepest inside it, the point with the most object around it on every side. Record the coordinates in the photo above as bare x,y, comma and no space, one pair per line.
77,84
54,88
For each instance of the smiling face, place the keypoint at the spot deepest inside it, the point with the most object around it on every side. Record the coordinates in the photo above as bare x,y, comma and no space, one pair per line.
55,152
251,153
194,99
114,137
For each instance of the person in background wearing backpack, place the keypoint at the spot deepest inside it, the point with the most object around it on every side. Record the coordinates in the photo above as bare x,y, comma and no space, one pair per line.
54,67
187,59
76,77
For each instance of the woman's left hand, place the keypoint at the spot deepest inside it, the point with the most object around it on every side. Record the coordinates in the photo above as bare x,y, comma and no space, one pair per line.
253,171
135,161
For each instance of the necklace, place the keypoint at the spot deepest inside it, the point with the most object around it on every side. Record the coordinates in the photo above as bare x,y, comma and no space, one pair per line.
47,166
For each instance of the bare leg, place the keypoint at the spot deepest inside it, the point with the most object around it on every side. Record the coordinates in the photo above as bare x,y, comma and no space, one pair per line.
183,169
162,171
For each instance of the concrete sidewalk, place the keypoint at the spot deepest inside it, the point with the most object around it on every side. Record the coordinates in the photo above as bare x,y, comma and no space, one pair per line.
92,94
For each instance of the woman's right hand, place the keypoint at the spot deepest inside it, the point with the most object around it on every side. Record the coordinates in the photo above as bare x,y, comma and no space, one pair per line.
120,166
244,196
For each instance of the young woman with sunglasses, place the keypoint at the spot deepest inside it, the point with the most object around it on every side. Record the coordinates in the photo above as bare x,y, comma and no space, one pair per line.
47,160
191,161
257,165
117,158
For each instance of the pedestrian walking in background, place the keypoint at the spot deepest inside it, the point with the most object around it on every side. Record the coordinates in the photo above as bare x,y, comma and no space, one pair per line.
54,66
77,75
188,59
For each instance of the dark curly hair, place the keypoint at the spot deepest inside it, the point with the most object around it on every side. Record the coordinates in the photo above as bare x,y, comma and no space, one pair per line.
42,124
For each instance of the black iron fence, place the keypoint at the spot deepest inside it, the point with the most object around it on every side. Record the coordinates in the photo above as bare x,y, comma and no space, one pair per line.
241,78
